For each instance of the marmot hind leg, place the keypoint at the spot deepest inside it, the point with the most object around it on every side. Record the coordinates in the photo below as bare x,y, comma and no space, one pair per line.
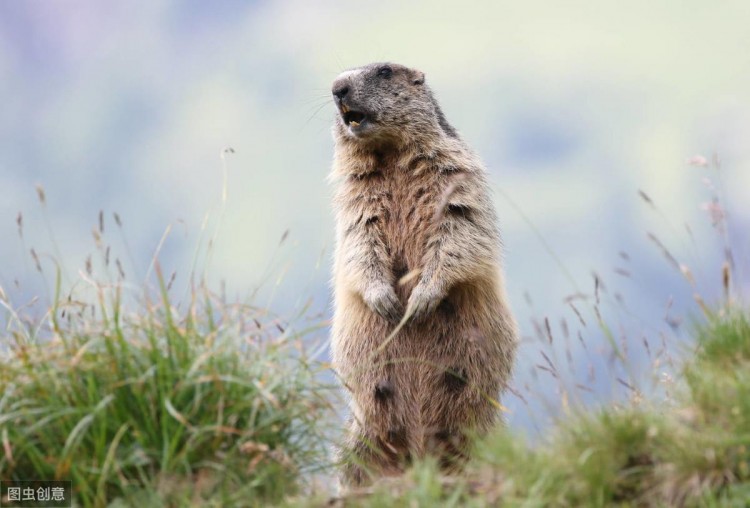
457,409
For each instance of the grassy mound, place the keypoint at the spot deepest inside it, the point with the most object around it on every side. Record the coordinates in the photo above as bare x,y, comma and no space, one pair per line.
212,406
217,405
692,451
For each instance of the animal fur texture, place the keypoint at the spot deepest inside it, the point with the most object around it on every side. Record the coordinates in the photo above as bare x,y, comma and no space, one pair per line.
416,233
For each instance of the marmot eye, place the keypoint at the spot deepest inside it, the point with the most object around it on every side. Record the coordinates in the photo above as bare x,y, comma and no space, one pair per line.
385,72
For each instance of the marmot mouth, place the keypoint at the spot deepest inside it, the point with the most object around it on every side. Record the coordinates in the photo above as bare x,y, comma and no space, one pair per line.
354,118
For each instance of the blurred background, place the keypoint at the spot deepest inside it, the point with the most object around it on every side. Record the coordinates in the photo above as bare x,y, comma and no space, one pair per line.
127,108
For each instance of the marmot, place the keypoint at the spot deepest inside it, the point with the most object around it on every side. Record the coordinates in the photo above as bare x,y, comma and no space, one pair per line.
411,198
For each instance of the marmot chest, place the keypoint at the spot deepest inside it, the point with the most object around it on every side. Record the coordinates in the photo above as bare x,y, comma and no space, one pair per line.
409,209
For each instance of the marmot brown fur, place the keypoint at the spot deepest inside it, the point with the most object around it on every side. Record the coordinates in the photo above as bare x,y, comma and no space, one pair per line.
411,198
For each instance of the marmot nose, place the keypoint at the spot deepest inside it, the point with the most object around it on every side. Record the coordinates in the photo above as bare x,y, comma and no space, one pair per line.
340,91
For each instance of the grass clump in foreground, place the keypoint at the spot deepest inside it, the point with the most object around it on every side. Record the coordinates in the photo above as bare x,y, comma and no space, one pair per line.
212,406
693,451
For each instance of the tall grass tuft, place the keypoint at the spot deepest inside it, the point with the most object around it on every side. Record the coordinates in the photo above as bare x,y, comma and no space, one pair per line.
214,405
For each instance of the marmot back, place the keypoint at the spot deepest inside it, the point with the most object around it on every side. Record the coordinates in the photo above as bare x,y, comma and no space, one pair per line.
416,232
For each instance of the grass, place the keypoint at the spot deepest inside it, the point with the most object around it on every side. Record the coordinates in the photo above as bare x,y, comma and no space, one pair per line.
219,405
216,405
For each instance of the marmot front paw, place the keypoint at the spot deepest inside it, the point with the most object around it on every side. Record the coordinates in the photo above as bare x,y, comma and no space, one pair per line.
423,300
382,299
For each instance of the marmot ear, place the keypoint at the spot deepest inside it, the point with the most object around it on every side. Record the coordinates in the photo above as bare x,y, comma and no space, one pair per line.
418,78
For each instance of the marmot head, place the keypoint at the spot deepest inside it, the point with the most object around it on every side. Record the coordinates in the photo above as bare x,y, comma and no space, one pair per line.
385,102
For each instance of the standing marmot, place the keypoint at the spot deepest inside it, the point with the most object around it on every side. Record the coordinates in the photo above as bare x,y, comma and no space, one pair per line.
412,199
